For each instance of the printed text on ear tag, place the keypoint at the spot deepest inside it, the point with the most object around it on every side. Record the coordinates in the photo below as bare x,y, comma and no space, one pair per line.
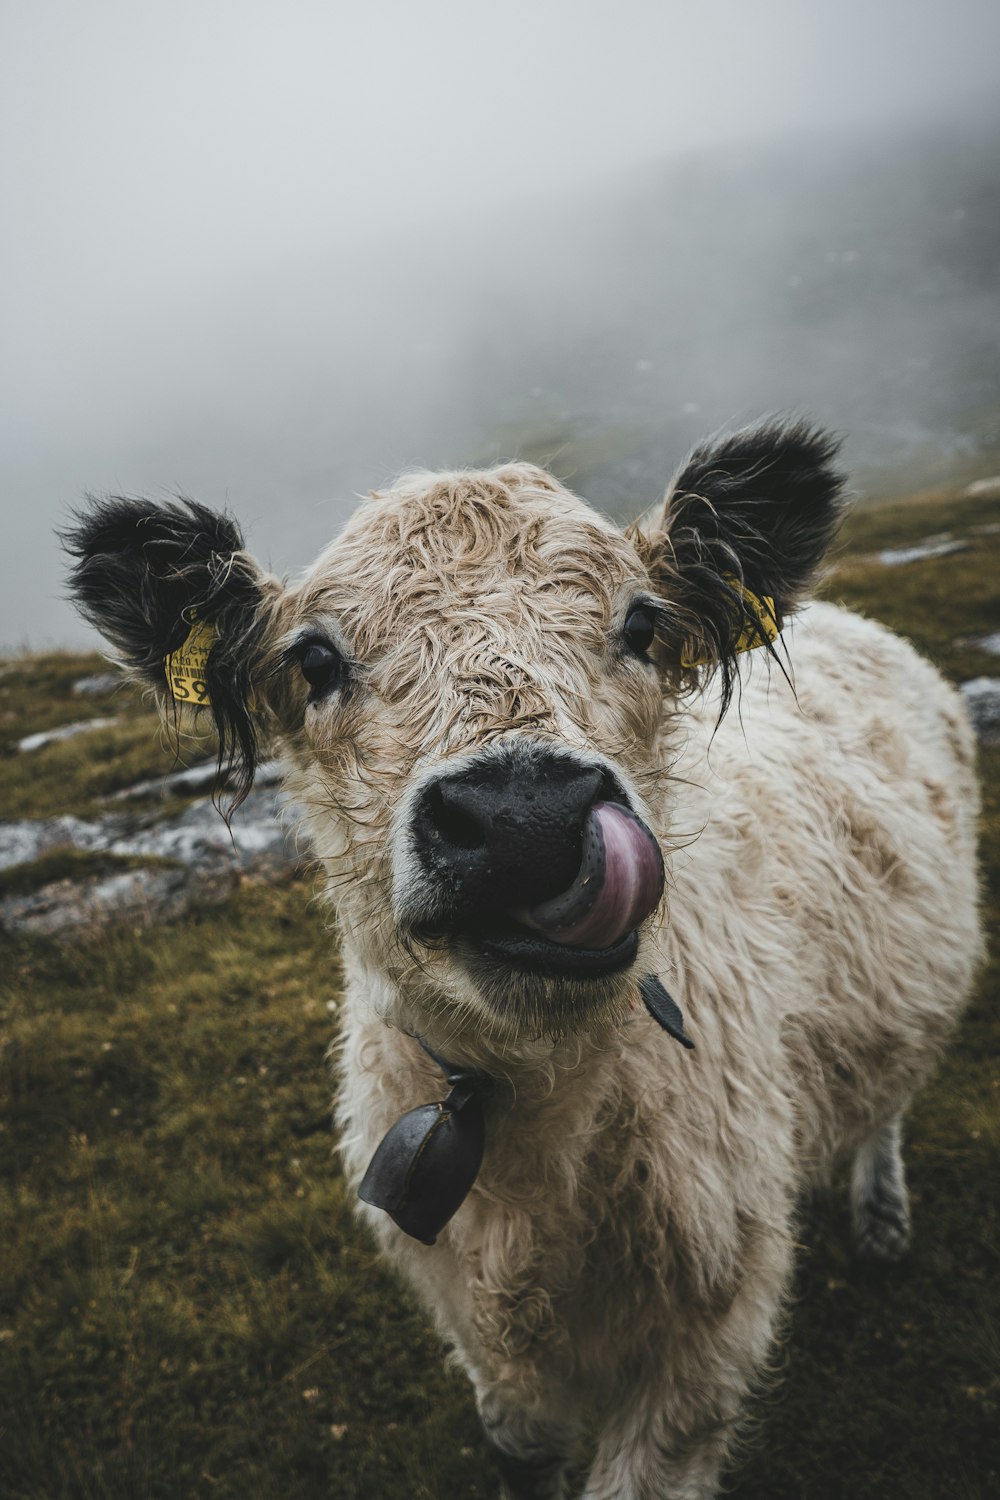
764,631
185,668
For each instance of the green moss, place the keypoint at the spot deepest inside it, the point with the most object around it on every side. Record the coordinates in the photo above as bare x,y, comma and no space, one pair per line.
76,775
900,523
939,603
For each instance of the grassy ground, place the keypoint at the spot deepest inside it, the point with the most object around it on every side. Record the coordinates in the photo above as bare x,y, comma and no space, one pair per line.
76,775
186,1305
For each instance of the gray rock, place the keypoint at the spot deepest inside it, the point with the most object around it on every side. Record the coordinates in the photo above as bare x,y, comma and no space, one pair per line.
64,732
983,489
982,699
207,861
988,643
30,838
257,838
191,780
932,546
69,908
184,783
99,685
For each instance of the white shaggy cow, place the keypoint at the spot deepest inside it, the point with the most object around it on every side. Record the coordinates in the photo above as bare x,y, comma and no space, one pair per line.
500,712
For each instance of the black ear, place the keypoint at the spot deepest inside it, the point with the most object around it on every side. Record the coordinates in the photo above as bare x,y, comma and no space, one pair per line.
145,573
748,519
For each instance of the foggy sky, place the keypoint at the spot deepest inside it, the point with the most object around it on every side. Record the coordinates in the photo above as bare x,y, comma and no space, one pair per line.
175,177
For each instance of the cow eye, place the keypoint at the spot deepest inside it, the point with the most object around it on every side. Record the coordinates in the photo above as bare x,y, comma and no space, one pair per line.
321,665
640,628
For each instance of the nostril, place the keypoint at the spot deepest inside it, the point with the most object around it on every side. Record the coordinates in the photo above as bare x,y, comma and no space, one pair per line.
507,831
453,823
610,789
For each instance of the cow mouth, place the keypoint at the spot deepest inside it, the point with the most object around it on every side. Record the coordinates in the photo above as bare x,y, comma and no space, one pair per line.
541,956
590,929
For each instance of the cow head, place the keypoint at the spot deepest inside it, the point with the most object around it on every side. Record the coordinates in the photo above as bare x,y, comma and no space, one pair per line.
476,686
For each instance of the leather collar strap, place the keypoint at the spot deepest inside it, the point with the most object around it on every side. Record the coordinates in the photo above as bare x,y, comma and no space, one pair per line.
427,1162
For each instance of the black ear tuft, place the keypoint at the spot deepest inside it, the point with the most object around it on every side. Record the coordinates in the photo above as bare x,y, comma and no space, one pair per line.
765,502
755,510
144,572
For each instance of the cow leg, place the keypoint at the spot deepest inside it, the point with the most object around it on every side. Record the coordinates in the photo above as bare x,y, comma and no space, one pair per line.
642,1456
531,1452
880,1205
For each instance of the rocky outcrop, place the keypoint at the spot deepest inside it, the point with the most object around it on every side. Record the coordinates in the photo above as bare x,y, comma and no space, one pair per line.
64,732
138,898
192,780
175,863
983,489
982,699
931,546
99,685
988,643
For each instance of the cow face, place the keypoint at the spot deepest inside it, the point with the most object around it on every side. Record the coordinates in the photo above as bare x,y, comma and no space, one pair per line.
475,686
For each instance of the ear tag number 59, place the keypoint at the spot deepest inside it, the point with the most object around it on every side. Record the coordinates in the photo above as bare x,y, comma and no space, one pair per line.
185,668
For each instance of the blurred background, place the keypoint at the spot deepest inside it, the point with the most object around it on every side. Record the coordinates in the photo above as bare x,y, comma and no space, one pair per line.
270,255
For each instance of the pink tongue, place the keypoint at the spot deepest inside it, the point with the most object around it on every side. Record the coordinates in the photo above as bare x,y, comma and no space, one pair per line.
618,884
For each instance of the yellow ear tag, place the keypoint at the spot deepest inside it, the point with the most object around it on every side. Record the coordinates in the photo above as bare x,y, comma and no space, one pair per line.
765,630
185,667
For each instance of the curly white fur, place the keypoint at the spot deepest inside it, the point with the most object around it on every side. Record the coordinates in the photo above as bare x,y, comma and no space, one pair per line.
621,1263
620,1266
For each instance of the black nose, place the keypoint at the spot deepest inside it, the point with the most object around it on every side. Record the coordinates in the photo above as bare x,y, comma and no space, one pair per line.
506,831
